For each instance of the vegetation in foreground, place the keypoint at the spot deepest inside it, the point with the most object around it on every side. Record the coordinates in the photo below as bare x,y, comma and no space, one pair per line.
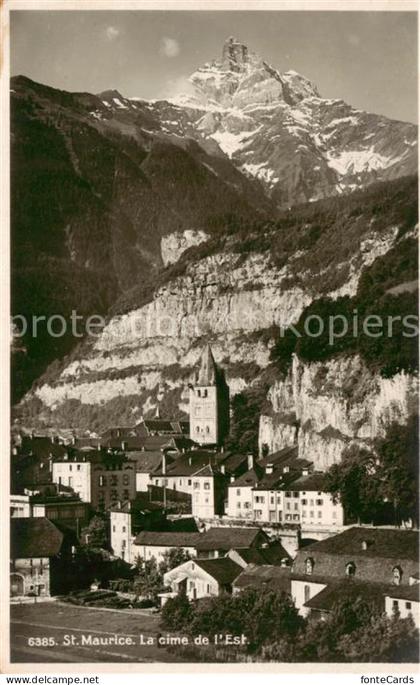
354,631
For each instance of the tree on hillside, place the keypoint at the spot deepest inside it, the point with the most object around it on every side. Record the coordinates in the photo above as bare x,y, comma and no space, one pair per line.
399,463
95,535
246,410
354,482
368,482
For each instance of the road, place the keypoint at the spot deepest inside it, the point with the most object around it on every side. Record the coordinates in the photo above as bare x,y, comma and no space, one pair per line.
52,632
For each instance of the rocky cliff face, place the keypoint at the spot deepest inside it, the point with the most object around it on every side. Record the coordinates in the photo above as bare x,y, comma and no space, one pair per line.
325,407
181,220
233,299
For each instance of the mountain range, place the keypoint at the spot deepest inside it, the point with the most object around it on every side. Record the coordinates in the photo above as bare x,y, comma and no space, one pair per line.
239,206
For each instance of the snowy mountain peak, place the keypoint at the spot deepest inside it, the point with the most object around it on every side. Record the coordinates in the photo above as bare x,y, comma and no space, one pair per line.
243,78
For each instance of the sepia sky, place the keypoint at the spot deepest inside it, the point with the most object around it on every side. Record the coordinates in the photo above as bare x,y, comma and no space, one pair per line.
367,58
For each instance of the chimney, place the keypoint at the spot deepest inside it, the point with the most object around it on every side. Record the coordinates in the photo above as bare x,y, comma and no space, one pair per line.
123,446
250,461
73,440
269,469
190,461
364,545
286,469
163,464
222,469
99,446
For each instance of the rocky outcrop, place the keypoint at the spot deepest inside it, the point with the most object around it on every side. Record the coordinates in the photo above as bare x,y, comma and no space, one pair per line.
332,405
174,245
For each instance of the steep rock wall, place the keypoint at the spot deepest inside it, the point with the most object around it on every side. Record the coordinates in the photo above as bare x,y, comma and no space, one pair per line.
333,404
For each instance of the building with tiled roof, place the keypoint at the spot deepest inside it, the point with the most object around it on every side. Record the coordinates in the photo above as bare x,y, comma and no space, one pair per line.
282,488
200,578
263,577
380,557
39,553
217,541
271,554
156,544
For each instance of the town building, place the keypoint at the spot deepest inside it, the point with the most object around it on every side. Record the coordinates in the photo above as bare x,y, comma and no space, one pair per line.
263,577
317,507
19,506
155,545
204,475
101,478
375,561
240,492
282,488
209,403
40,553
127,519
218,541
200,578
66,510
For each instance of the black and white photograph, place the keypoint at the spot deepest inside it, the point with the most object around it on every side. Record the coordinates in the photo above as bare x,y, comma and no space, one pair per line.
213,336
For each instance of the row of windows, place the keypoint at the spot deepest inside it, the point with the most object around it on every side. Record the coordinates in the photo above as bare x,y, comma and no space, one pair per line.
113,480
350,570
206,485
197,429
396,605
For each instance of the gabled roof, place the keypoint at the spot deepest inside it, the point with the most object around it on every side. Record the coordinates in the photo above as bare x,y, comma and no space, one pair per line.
248,479
409,592
272,555
270,577
348,589
146,461
167,539
189,463
387,543
34,537
311,483
223,570
228,538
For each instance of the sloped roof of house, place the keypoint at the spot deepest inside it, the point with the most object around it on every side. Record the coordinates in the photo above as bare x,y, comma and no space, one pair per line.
272,555
224,570
381,542
189,463
228,538
146,461
248,479
347,589
409,592
314,482
267,576
167,539
34,537
375,552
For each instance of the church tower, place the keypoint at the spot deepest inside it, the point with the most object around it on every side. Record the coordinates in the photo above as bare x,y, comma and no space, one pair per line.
209,403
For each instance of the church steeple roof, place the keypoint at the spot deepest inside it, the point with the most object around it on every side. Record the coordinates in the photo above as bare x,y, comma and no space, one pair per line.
207,374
